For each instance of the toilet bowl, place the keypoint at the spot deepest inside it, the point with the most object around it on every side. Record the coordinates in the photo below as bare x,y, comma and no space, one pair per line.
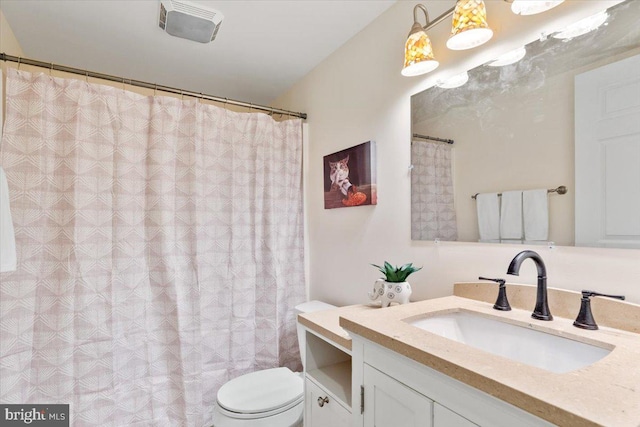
268,398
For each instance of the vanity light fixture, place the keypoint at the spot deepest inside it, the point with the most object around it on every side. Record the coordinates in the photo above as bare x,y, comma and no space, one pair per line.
509,58
418,52
583,26
469,27
455,81
532,7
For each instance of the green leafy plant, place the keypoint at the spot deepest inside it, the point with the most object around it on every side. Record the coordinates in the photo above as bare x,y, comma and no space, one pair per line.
396,274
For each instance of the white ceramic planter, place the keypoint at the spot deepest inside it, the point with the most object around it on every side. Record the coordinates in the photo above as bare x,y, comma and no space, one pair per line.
390,292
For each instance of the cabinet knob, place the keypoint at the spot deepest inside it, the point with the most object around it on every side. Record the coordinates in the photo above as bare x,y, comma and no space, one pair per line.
322,401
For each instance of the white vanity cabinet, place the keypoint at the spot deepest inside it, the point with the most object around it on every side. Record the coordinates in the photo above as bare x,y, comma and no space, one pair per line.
446,417
322,409
327,383
400,392
389,403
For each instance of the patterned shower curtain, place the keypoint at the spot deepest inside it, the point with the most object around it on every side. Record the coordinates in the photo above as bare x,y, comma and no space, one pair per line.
433,214
160,251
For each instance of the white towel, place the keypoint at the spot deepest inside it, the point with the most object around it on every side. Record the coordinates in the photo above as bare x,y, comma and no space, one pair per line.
488,216
537,242
7,238
512,241
511,215
535,211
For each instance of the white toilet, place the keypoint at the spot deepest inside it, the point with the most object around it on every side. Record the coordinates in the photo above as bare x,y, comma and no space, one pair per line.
267,398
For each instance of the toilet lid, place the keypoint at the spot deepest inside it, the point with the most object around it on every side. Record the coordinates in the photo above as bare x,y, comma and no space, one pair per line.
261,391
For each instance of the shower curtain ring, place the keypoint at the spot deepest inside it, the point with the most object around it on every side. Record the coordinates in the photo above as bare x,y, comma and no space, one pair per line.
155,90
19,61
50,69
86,75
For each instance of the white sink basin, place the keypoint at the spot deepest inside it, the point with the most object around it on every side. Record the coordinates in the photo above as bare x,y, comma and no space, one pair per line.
528,346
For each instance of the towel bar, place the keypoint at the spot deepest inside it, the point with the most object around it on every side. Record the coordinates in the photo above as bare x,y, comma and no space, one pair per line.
433,138
560,190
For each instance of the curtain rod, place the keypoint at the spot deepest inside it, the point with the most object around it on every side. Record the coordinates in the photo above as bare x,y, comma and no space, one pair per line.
433,138
146,85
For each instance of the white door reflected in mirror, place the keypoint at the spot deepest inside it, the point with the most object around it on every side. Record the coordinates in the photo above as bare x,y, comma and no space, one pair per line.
607,109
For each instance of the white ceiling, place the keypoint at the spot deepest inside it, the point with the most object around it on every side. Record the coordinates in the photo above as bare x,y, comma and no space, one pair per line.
263,47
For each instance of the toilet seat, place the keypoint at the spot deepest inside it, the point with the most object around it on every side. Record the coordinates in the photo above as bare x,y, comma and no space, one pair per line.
261,394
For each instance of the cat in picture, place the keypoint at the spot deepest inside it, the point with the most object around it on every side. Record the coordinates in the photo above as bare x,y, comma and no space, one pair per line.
339,176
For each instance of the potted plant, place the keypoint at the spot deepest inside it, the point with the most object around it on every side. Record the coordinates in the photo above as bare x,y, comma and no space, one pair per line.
393,287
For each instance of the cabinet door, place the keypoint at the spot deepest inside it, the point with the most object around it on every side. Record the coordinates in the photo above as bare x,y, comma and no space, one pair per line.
330,414
389,403
444,417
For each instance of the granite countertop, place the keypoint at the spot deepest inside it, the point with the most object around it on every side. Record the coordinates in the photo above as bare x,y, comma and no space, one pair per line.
604,393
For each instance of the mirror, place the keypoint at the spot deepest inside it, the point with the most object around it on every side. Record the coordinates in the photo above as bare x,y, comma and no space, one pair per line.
513,126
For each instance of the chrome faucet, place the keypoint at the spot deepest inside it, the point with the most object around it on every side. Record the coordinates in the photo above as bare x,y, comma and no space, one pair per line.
541,311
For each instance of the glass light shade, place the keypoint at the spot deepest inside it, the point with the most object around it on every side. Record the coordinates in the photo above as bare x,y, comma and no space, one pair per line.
455,81
509,58
469,27
583,26
418,55
532,7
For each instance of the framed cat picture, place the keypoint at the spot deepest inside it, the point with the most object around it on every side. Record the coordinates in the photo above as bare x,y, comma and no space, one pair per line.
350,177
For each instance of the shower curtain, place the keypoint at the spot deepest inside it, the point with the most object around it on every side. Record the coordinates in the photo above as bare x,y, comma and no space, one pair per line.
160,251
433,214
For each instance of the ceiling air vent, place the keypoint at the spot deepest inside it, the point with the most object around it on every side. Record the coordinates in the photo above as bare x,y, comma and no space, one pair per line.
189,21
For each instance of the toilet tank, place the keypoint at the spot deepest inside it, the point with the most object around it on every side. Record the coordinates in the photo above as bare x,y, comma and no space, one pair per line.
308,307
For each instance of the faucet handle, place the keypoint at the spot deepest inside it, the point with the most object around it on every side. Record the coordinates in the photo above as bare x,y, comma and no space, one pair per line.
502,303
598,294
585,318
500,281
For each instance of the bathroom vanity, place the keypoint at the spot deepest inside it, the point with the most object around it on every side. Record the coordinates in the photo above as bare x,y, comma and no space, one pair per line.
328,373
403,374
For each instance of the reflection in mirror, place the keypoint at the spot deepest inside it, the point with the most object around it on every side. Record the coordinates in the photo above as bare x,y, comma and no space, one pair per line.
513,128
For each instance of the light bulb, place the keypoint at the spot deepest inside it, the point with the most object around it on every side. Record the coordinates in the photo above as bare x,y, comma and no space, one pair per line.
583,26
532,7
455,81
509,58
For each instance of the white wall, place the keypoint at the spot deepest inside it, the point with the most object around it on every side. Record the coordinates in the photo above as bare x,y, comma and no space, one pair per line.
358,94
9,45
8,42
